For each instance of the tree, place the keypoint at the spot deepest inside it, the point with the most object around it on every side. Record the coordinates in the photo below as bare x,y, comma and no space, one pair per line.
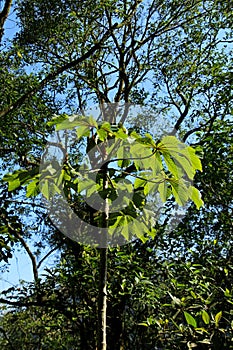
150,177
177,46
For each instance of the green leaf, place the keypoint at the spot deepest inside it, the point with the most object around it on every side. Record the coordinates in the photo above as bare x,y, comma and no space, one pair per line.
141,155
175,300
89,185
163,190
103,134
139,229
227,293
169,142
217,317
180,191
123,154
185,157
123,224
82,131
32,189
143,324
194,158
195,195
124,185
19,178
44,188
205,316
190,319
57,119
193,294
205,341
77,121
13,185
184,164
156,164
172,167
106,126
138,199
121,134
139,182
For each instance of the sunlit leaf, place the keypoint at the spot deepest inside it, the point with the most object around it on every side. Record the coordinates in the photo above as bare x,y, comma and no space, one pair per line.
32,189
218,317
162,188
195,195
190,319
205,316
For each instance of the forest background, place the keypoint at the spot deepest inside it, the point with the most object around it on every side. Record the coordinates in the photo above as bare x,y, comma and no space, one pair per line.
170,291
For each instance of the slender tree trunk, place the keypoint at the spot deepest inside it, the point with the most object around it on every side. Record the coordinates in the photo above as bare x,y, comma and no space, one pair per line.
102,301
102,296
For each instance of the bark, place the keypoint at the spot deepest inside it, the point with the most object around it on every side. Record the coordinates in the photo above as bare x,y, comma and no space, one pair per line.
102,301
3,16
102,296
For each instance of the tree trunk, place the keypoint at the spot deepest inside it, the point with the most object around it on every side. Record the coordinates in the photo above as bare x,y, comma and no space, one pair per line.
102,296
102,301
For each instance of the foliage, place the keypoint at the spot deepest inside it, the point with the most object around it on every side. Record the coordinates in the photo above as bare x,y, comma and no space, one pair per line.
175,290
147,310
130,151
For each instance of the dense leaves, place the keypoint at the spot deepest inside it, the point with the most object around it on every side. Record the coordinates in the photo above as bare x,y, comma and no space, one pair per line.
174,291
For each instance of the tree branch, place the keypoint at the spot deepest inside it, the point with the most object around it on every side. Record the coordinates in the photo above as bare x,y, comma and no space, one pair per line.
3,16
47,255
57,72
28,250
17,232
19,102
186,101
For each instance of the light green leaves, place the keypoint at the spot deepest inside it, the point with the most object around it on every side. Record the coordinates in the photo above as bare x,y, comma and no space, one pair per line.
86,184
205,316
217,318
21,178
123,222
33,188
57,119
195,196
190,319
77,121
180,159
179,190
139,171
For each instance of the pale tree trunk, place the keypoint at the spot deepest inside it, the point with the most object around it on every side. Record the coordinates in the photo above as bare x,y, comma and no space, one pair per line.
102,301
102,296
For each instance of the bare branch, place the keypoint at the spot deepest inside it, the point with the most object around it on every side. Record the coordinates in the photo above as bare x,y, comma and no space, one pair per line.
186,101
3,16
28,250
47,255
17,232
57,72
19,102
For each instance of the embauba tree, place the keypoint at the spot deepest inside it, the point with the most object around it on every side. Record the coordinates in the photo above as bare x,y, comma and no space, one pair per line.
174,57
